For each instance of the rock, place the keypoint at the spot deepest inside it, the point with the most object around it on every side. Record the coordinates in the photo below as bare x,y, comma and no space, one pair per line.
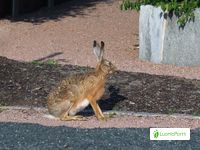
163,41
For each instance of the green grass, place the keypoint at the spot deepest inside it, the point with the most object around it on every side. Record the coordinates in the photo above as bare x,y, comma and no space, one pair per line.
111,114
1,108
196,113
172,111
48,62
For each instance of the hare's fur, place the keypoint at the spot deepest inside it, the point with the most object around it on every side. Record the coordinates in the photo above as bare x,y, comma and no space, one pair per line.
76,92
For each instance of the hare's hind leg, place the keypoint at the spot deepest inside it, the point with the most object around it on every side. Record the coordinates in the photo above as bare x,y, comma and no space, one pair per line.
67,117
73,118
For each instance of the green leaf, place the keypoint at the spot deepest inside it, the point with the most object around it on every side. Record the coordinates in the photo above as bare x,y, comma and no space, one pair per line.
183,9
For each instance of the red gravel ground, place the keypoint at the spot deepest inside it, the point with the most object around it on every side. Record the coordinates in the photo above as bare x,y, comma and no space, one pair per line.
71,33
70,38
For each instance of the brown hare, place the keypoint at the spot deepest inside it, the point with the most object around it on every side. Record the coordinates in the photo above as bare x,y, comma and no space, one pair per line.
76,92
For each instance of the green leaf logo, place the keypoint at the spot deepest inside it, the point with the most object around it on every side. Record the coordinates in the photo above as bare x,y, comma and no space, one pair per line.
156,134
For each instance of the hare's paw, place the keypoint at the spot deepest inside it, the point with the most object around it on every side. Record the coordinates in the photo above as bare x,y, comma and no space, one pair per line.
106,117
81,117
102,118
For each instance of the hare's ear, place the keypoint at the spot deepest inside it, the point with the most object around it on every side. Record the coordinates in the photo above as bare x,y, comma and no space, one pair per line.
98,51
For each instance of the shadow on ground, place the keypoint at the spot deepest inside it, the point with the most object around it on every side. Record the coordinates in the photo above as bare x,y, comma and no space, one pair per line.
69,8
51,56
33,136
23,83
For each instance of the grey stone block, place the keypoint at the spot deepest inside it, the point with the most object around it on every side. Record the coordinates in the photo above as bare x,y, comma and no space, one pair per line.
162,41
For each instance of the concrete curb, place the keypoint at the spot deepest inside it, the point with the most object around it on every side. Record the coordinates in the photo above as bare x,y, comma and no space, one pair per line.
163,41
112,112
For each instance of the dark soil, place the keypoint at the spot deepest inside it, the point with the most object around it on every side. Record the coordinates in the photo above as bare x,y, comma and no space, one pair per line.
28,84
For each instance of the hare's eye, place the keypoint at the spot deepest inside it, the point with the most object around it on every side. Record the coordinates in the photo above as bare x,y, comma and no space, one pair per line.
110,64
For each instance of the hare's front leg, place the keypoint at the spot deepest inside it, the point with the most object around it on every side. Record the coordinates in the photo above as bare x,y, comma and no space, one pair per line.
97,110
95,95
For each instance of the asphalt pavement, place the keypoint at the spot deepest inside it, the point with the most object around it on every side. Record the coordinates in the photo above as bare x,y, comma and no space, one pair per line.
24,136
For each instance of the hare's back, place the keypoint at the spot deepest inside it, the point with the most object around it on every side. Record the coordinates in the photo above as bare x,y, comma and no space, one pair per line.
76,79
